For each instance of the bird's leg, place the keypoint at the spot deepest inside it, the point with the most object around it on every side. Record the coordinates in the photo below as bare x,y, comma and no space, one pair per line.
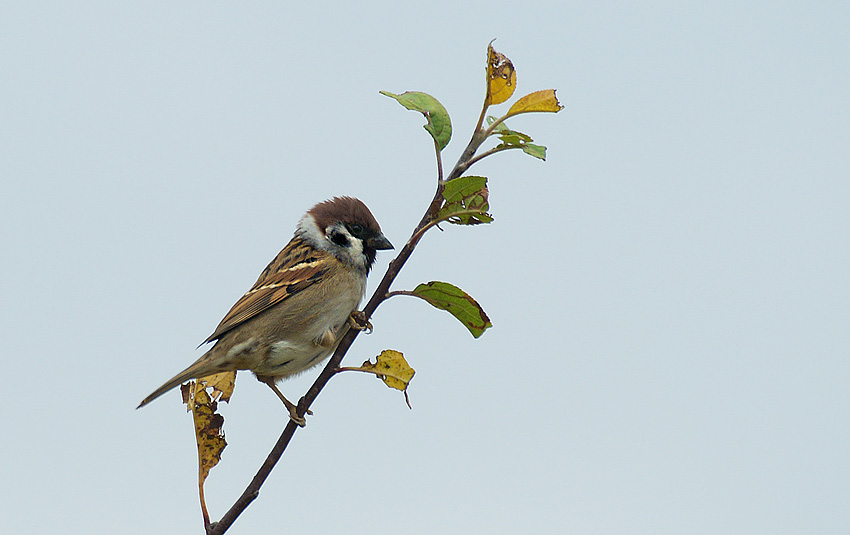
357,321
290,407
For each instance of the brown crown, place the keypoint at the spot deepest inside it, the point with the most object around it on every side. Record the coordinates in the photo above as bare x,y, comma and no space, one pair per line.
345,209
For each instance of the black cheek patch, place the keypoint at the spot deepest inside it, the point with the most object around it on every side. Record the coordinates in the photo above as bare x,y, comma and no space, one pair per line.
340,239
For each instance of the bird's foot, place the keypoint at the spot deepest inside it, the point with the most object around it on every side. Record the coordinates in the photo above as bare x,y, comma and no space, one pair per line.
299,420
357,321
291,408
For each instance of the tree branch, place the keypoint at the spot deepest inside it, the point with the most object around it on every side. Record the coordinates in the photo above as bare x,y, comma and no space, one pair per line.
381,294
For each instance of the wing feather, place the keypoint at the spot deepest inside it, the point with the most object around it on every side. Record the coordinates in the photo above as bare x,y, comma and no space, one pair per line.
296,267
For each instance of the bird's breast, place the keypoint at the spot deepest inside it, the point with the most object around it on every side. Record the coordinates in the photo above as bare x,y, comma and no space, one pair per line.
299,340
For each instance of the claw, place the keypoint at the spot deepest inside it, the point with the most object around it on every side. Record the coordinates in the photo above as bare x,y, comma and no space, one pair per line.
357,321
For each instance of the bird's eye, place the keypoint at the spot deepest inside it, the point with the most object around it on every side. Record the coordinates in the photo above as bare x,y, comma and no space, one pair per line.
340,239
356,229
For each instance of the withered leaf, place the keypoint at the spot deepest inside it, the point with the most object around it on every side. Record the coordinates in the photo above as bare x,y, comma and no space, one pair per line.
501,77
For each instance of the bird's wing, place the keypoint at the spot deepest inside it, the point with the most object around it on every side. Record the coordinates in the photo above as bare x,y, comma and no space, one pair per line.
296,267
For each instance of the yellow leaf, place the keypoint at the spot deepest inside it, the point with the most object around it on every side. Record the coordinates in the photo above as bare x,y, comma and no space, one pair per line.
539,101
222,385
209,434
501,77
391,367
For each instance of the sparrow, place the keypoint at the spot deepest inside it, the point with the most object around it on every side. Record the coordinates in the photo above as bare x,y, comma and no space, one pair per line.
302,304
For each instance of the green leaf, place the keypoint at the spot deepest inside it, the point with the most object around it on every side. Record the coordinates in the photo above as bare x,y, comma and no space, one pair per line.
458,303
465,201
516,140
538,151
439,124
499,127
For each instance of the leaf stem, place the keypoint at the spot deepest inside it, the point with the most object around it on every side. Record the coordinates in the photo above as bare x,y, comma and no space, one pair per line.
494,150
400,292
439,163
484,109
417,235
489,130
352,369
204,512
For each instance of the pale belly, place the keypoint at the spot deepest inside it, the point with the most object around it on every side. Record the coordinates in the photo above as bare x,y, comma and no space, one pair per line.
308,348
287,358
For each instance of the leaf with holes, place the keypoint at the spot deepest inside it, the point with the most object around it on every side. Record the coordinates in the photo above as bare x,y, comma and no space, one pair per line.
456,302
465,201
222,385
501,77
391,368
209,432
513,139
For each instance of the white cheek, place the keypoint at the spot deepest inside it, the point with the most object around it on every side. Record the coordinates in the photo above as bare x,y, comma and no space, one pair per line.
309,232
355,252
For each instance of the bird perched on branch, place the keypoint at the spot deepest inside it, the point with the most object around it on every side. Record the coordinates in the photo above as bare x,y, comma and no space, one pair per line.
301,305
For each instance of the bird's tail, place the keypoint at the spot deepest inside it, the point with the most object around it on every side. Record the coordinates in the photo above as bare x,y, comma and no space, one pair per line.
202,367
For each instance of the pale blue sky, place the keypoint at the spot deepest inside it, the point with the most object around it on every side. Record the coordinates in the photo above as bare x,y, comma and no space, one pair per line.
669,292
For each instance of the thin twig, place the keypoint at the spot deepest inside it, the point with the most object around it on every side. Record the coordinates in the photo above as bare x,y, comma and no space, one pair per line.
439,163
400,292
490,152
484,107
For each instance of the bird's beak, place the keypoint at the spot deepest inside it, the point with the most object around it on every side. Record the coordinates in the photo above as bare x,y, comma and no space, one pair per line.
379,242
